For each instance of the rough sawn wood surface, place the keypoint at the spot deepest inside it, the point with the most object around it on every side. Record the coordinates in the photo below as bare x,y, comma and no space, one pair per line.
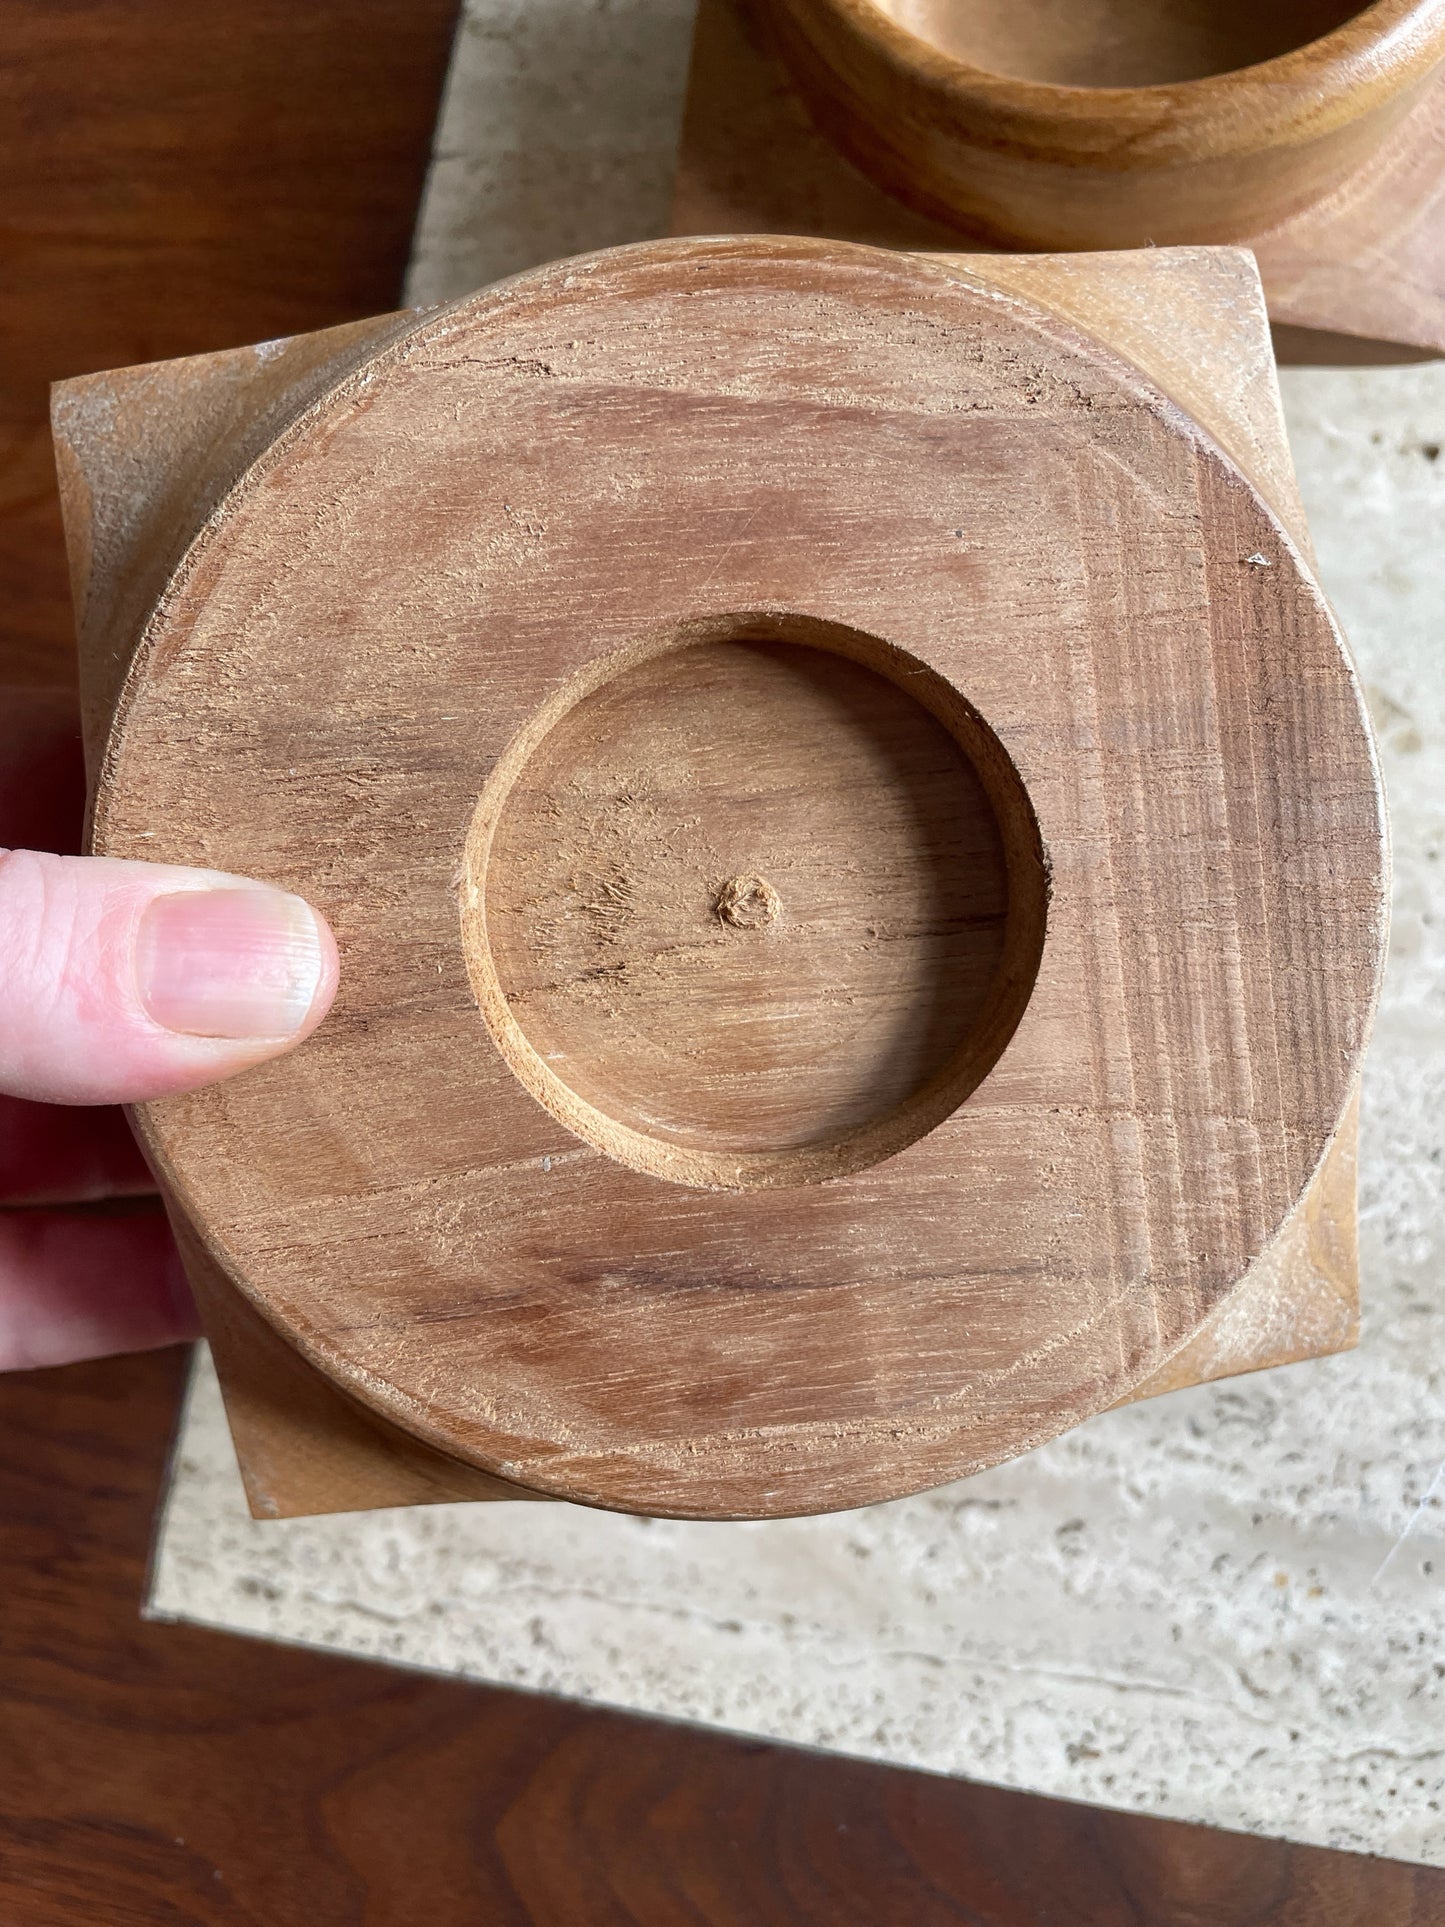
483,518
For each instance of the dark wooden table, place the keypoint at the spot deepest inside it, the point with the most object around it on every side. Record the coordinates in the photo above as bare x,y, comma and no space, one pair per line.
182,175
176,177
157,1773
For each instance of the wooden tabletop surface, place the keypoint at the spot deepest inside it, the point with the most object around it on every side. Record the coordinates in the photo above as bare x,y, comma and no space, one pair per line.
175,179
165,1773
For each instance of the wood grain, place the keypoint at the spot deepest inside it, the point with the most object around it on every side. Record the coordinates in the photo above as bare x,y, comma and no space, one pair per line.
302,1445
155,1773
1112,125
163,445
175,180
775,913
1357,274
1117,43
1300,1298
1193,320
1147,1130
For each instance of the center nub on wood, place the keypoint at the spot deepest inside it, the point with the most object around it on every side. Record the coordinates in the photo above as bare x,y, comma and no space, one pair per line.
748,903
797,774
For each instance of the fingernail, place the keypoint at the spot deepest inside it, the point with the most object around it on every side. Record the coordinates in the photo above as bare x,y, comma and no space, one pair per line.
229,963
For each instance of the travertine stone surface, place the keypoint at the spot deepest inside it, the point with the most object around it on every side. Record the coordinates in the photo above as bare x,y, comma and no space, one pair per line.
558,133
1226,1604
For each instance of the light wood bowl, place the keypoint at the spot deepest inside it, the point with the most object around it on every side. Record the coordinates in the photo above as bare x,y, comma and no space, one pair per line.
1110,123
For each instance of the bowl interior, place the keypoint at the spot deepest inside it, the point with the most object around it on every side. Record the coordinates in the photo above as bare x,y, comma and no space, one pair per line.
1118,43
750,900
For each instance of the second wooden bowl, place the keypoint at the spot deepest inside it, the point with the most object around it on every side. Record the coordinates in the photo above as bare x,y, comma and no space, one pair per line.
1114,123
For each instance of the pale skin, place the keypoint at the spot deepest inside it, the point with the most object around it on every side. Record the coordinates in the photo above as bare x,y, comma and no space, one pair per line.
119,982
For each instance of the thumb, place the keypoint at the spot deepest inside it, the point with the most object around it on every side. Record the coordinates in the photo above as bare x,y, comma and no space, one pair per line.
125,981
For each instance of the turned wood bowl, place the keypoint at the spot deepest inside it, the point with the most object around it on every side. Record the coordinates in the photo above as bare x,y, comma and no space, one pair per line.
1110,123
853,839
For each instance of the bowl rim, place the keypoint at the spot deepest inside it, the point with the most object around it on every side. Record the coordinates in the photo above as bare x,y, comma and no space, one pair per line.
1343,75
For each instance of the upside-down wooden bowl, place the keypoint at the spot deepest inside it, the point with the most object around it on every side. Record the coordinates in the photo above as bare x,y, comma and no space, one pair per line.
853,839
1114,123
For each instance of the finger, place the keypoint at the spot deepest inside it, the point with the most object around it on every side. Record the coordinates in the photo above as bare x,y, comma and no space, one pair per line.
84,1285
123,981
67,1154
51,1154
42,770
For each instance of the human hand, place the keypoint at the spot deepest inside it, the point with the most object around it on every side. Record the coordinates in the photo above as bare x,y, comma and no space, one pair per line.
119,982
